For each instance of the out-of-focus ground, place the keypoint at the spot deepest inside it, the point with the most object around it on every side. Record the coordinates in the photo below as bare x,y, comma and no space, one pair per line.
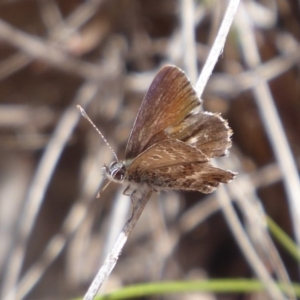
103,55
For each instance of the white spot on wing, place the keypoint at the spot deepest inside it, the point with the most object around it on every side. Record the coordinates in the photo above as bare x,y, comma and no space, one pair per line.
193,140
196,110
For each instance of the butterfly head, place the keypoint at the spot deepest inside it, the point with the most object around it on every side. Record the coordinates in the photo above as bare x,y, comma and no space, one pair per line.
115,172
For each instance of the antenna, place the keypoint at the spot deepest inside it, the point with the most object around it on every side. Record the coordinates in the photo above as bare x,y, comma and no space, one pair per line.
84,114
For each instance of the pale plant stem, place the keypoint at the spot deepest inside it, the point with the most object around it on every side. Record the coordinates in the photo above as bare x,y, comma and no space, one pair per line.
39,49
188,38
217,47
38,187
245,244
272,124
140,199
222,195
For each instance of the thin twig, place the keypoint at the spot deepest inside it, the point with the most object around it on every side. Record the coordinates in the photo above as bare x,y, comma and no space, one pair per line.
119,213
244,243
13,64
140,199
57,34
232,85
40,182
188,38
217,47
40,49
230,214
81,15
256,226
73,221
272,124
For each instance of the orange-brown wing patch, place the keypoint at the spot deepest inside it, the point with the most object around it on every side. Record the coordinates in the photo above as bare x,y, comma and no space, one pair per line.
168,101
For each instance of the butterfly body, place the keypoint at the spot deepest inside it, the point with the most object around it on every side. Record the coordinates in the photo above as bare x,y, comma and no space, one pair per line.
172,140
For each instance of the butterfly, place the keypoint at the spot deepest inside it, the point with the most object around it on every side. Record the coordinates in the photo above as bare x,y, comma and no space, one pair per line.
172,141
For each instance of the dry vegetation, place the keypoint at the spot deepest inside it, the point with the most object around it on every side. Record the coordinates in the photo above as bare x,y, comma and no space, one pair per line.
55,54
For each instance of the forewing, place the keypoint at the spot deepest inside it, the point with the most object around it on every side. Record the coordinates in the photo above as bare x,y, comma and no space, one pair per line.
168,101
172,164
208,132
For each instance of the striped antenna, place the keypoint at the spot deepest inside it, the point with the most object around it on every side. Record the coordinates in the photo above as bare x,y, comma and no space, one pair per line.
84,114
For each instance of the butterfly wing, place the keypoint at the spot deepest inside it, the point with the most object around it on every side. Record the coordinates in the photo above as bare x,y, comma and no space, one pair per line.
208,132
171,109
168,101
172,164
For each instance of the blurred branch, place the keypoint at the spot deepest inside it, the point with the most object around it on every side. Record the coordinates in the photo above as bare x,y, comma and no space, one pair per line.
232,85
75,20
188,38
217,47
272,123
139,199
58,33
40,183
222,195
40,49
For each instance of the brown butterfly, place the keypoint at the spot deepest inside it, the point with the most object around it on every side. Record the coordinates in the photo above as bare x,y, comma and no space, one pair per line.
172,141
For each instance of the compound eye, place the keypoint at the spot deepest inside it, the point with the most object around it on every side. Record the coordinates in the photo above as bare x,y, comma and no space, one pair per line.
118,174
112,164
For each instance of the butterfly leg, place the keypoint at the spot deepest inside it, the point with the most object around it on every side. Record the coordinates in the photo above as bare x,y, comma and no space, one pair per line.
126,193
133,203
152,188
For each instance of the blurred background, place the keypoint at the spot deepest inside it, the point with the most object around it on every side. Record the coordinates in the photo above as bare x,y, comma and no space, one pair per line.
103,55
